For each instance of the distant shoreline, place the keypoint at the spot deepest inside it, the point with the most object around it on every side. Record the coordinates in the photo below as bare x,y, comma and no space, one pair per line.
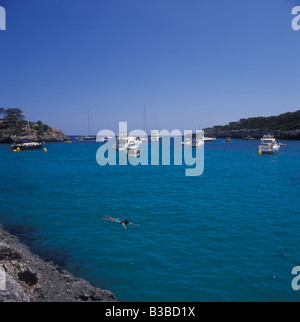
256,134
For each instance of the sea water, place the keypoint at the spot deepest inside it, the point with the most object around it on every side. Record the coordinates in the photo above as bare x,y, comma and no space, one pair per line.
231,234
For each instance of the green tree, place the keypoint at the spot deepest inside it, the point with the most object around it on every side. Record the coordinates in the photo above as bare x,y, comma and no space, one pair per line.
13,116
2,109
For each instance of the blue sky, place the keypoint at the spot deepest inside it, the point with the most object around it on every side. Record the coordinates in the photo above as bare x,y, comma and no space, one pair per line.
192,63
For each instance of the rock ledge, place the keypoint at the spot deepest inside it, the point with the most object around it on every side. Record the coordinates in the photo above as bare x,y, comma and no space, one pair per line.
31,279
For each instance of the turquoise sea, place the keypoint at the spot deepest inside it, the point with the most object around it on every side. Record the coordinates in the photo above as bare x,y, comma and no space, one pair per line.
232,234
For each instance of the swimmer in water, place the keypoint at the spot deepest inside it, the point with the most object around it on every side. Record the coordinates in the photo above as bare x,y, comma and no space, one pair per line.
123,222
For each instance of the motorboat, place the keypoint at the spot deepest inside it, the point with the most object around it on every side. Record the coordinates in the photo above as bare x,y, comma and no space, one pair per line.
209,139
268,145
127,143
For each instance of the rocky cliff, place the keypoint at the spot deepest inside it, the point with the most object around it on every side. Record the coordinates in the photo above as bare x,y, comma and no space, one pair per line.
30,279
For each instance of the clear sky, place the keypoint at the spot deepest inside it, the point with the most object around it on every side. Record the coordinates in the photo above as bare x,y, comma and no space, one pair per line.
192,63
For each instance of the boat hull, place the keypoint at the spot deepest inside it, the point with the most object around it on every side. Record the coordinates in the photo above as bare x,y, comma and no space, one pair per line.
273,150
27,147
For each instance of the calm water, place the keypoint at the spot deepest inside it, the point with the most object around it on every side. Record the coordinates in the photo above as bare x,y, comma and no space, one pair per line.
231,234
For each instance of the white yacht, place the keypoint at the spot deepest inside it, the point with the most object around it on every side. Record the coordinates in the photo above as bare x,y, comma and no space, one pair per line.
268,145
127,143
133,143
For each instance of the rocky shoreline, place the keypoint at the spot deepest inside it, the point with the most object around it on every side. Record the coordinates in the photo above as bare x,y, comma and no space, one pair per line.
28,278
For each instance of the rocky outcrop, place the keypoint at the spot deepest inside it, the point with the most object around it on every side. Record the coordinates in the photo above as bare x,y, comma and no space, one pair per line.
257,134
48,134
30,279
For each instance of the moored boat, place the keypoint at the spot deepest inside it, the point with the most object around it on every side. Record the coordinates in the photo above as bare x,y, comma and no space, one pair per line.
268,145
209,139
26,146
23,145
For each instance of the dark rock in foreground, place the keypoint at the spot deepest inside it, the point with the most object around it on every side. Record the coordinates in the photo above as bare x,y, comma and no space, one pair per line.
30,279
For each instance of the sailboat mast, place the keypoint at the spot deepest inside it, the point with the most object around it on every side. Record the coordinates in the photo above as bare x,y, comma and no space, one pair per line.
89,123
145,120
29,132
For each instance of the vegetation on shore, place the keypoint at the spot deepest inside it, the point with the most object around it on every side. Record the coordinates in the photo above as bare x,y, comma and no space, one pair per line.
13,126
13,122
284,122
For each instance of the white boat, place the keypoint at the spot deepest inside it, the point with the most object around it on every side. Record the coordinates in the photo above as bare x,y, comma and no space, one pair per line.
133,142
133,153
191,141
207,139
127,143
121,144
197,143
268,145
102,139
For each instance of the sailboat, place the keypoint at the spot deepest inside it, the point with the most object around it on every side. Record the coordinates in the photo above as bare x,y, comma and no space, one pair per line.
28,145
89,137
